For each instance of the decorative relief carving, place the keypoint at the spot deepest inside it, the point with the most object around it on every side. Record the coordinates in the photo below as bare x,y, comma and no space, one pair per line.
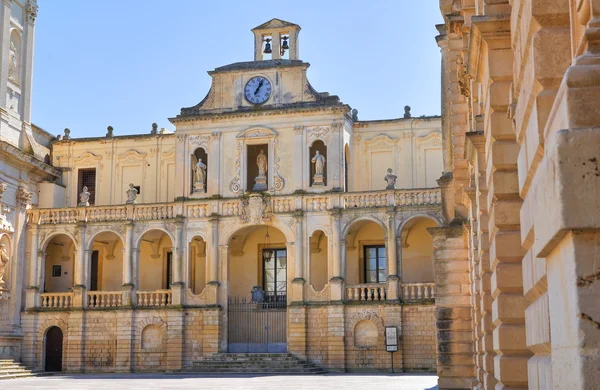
278,182
336,127
235,185
180,137
298,130
255,209
88,158
199,141
216,135
24,196
318,132
210,98
31,9
256,134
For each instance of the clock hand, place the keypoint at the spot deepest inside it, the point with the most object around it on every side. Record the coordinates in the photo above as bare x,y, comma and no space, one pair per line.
259,85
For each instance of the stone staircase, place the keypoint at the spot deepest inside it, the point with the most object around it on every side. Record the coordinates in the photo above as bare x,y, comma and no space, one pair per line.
9,369
256,363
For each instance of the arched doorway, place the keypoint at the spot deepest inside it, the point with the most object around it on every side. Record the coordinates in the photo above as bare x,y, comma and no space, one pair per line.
54,347
258,285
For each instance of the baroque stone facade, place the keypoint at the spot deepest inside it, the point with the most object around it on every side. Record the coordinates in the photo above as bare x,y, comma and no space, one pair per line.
140,250
517,302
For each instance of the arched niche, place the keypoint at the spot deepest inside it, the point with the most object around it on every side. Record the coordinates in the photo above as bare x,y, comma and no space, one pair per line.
317,145
319,258
199,154
197,264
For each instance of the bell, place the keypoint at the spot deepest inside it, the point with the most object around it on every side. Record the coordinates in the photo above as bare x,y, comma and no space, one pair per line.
285,45
267,47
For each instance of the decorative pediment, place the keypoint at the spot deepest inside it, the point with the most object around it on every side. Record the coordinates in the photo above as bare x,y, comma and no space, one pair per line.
275,24
131,155
87,158
381,142
257,132
169,155
433,138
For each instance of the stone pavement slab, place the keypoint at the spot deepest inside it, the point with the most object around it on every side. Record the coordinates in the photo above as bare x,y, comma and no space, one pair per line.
242,381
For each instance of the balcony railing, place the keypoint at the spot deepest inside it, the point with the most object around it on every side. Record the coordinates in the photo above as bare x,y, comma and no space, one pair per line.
56,300
366,292
233,207
104,299
418,291
154,298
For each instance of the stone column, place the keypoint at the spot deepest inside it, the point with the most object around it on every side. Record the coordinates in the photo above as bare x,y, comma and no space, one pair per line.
298,282
455,361
214,251
177,285
135,265
392,261
127,266
33,290
336,282
82,259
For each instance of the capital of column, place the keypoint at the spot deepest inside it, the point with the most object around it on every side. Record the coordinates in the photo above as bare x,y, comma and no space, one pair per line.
213,219
31,9
298,215
336,213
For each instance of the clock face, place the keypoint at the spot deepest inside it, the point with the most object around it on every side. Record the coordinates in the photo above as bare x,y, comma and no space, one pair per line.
258,90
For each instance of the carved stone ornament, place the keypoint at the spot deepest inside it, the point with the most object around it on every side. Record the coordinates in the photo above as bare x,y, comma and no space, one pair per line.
336,127
235,185
298,130
3,188
255,209
32,9
4,259
318,132
24,196
278,181
199,141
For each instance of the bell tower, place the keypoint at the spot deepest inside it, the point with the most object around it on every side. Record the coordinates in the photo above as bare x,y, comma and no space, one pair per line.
276,39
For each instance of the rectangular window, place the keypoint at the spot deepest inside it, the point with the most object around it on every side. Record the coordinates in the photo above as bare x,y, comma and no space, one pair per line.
375,264
87,178
56,271
275,275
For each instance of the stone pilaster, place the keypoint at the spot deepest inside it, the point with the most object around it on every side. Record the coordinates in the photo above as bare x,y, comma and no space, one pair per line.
335,338
175,340
125,341
456,368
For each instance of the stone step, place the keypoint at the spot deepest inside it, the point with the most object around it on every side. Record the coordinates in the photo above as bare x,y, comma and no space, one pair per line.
275,363
266,371
14,376
10,369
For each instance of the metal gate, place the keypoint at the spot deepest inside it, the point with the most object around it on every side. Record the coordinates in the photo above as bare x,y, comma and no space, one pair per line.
257,327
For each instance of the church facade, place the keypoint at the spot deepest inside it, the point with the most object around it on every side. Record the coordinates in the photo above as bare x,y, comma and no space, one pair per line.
268,202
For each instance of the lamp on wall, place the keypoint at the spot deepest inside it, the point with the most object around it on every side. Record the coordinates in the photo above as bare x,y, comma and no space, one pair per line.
267,251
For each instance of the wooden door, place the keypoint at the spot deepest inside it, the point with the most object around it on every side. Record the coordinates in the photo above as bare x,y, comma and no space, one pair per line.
54,347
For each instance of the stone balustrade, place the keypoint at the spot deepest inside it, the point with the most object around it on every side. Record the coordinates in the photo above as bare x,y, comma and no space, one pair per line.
104,299
154,298
56,300
418,291
366,292
234,207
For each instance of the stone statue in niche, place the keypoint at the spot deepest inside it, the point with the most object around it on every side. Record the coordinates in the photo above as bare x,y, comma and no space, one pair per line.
84,197
319,161
263,166
12,63
132,194
390,179
3,264
199,176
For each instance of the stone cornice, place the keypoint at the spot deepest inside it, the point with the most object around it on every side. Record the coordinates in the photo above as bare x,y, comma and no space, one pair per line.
214,117
20,158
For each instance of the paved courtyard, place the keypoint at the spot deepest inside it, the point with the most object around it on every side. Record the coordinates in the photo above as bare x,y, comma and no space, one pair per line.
288,382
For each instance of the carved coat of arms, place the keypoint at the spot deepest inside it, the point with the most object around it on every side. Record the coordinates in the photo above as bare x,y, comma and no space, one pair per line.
255,209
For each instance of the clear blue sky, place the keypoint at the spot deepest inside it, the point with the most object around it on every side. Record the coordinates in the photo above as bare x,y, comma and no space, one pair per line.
128,63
